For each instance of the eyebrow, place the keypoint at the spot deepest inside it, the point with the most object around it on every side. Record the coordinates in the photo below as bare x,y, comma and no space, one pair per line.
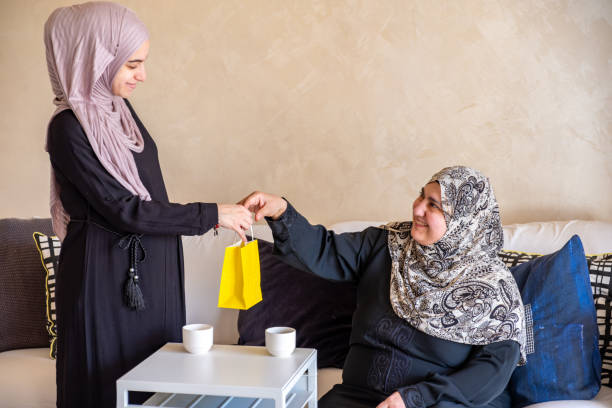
136,60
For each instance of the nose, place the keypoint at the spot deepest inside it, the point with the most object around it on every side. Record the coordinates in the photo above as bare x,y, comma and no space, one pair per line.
418,207
141,74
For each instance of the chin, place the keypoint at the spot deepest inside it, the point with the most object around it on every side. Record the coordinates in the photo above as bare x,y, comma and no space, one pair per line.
420,239
416,236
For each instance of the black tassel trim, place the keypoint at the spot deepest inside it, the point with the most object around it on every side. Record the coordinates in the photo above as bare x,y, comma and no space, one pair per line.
132,294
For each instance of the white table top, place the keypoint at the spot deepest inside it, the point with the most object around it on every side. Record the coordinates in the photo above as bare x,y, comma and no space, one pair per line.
224,367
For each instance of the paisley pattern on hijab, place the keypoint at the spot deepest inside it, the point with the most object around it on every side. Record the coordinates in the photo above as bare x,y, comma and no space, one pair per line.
458,289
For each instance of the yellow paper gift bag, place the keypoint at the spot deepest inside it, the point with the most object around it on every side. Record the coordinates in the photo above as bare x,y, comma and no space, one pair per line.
240,278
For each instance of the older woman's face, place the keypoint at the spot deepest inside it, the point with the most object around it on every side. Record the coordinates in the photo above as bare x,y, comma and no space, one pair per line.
131,73
428,223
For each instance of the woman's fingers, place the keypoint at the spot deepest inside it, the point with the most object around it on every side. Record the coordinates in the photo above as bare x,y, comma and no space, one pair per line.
244,223
235,217
257,202
240,232
263,212
245,215
264,205
393,401
253,202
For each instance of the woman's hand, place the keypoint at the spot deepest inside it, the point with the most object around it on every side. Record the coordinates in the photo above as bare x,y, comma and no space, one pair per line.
264,205
235,217
393,401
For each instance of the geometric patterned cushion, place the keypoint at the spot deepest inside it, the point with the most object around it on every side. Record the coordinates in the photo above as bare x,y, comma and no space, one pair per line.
49,249
600,268
513,258
600,272
603,305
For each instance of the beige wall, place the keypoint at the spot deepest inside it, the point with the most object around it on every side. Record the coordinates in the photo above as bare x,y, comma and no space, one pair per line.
347,107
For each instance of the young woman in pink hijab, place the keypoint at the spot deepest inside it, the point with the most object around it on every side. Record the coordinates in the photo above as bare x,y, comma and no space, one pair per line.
120,283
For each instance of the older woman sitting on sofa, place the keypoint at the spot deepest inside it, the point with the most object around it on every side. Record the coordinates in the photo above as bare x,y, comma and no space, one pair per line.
439,318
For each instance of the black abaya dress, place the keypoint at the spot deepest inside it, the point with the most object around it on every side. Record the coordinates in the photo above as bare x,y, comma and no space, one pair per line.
99,337
386,353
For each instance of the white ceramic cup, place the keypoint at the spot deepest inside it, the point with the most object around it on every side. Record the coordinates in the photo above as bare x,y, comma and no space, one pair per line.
197,338
280,341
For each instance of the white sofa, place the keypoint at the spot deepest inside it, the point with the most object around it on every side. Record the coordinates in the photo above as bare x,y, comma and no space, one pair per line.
27,376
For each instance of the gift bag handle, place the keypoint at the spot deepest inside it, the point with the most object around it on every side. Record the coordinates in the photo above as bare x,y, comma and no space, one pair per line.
252,235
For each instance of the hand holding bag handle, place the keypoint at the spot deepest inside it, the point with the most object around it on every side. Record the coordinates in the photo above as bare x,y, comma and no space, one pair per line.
237,243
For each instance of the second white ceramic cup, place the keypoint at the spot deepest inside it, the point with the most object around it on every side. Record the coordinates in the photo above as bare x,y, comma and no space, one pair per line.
280,341
197,338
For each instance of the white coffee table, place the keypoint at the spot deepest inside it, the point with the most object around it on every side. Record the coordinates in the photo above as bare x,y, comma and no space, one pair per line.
226,376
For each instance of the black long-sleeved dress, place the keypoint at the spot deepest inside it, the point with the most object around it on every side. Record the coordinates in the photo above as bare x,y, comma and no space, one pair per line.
99,337
387,354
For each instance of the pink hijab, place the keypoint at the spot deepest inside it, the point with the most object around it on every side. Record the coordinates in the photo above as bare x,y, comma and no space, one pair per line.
86,45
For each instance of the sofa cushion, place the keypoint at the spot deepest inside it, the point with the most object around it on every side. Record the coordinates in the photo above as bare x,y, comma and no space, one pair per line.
599,272
565,362
602,400
49,249
22,285
28,378
600,267
320,310
603,306
514,258
548,237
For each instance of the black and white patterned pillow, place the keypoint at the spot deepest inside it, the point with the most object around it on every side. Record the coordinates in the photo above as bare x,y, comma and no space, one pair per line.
513,258
603,305
600,271
600,268
49,249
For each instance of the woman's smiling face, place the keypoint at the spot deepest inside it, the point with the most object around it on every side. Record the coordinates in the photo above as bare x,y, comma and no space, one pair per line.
428,221
131,73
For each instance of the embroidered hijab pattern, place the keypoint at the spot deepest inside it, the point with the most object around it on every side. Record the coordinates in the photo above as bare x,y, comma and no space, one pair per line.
458,289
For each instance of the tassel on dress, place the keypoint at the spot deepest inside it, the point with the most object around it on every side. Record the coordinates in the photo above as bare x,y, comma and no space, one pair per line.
132,294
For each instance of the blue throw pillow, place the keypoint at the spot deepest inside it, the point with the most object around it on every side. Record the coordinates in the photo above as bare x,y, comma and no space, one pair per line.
564,362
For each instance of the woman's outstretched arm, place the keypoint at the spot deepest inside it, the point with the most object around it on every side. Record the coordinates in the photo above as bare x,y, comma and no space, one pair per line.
72,156
312,247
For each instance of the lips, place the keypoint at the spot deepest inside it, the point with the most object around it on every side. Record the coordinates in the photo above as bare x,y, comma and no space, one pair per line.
419,225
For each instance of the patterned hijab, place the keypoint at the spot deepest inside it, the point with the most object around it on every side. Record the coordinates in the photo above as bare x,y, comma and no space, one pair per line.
458,289
86,45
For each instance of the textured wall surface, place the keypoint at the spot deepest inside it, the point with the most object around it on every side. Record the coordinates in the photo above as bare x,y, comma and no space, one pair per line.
347,107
